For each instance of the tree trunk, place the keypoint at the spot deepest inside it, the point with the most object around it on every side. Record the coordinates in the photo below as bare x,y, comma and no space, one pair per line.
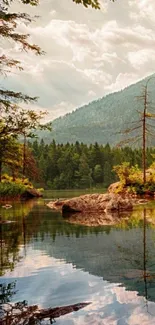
144,137
24,156
0,171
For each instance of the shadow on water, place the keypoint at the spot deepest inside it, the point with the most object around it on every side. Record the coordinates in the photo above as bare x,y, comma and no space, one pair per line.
122,254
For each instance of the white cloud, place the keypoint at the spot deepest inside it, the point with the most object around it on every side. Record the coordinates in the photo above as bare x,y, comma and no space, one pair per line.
122,81
139,58
87,51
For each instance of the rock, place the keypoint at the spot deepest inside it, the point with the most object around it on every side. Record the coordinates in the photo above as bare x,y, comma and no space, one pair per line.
92,203
31,193
113,188
67,209
119,204
88,202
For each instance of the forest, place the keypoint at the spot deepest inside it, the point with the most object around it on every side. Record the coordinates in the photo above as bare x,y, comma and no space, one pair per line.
68,166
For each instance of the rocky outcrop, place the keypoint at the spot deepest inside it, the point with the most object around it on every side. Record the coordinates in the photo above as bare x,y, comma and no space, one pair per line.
93,203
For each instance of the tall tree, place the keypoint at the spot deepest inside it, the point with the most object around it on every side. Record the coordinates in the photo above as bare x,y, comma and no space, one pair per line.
145,116
141,129
10,154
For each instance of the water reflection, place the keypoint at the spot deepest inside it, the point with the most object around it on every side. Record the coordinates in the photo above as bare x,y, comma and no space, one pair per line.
148,275
20,313
7,291
12,234
41,249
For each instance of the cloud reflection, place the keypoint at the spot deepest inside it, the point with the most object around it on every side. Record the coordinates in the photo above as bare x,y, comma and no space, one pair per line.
47,281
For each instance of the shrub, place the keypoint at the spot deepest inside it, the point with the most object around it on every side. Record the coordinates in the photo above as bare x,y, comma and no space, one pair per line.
131,178
10,189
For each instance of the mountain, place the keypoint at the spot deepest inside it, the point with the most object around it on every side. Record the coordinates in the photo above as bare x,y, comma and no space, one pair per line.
102,120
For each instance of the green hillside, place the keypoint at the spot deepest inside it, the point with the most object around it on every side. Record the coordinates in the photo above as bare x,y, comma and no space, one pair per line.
100,120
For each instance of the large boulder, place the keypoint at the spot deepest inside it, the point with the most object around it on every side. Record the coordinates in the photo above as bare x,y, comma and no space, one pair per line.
92,203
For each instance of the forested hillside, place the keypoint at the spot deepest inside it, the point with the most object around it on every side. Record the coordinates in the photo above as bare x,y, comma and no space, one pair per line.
100,120
80,165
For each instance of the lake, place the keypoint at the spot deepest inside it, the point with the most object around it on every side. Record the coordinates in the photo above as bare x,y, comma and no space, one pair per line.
49,262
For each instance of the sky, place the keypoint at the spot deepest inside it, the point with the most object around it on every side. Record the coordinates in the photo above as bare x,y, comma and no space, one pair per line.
89,53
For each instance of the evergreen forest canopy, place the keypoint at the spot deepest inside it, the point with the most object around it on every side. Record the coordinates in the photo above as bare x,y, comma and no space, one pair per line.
104,119
67,166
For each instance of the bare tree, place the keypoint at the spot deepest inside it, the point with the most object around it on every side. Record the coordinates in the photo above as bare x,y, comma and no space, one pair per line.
142,125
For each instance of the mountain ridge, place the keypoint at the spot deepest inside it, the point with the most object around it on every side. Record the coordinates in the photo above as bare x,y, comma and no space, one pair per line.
102,119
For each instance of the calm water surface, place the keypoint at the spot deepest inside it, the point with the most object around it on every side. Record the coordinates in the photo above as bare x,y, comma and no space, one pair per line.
50,262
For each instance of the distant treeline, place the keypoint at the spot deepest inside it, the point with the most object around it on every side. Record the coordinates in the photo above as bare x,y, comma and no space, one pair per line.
67,166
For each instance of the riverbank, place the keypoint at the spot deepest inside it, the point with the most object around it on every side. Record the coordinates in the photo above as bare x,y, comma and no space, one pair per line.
17,191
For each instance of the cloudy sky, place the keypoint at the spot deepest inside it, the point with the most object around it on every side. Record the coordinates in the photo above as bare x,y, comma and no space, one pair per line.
89,53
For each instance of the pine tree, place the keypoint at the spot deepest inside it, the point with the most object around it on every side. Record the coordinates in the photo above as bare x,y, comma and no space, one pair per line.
14,120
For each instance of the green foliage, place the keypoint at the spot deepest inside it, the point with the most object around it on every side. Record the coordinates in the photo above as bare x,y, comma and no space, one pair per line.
81,166
10,189
131,179
10,154
123,172
128,175
93,3
98,174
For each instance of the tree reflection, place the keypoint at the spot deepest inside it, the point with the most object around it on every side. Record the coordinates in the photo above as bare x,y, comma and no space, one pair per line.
148,276
145,274
141,261
9,247
33,223
20,313
13,235
7,291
